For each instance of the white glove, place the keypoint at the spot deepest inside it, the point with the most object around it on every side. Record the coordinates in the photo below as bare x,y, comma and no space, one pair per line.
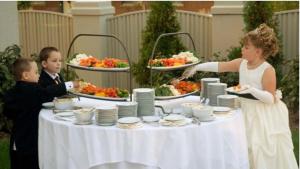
208,67
261,95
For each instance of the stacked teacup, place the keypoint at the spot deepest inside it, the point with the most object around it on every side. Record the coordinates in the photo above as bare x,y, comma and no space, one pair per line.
203,113
127,109
106,115
145,99
187,108
215,89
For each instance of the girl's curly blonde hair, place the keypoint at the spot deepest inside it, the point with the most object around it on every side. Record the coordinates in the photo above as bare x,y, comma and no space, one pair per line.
263,37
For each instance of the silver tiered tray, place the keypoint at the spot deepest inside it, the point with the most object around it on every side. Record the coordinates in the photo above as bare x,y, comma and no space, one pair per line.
161,68
126,69
175,97
99,97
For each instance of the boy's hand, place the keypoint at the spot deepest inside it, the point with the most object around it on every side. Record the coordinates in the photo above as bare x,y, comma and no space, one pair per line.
76,84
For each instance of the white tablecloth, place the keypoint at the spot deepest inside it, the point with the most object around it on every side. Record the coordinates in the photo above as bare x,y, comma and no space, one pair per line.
220,144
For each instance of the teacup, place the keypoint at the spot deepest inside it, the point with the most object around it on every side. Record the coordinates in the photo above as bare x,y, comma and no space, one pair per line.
187,108
63,104
202,112
83,115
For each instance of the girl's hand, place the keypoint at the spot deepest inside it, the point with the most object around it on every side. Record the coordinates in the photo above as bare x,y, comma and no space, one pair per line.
189,72
261,95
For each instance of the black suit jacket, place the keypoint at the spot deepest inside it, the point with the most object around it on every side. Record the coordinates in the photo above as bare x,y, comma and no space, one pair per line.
46,80
22,104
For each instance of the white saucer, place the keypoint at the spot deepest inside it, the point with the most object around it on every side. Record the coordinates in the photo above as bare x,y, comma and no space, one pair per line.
129,120
48,105
174,117
65,114
180,123
83,123
150,119
221,110
210,118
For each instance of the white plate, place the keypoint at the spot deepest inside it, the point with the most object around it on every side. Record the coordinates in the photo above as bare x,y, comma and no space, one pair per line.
174,117
65,114
83,123
99,68
221,109
150,119
129,120
175,124
98,97
143,90
69,119
173,67
231,89
207,119
48,105
174,97
129,126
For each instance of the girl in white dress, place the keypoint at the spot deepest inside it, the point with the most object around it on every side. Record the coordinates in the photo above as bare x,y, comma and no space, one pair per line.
267,125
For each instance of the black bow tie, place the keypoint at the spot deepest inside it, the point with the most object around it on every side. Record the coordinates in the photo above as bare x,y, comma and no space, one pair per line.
56,79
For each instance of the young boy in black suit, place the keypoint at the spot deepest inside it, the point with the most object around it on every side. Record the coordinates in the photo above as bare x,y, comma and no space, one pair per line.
51,61
22,104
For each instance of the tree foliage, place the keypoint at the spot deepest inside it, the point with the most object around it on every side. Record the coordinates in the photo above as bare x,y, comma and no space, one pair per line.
7,58
162,19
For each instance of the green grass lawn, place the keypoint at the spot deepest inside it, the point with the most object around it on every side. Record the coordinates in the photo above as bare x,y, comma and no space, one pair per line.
4,149
4,153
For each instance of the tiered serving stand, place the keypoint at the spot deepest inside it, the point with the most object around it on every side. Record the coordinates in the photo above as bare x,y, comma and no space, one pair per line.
127,69
170,68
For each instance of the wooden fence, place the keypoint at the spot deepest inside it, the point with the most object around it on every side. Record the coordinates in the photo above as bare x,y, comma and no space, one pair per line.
39,29
288,24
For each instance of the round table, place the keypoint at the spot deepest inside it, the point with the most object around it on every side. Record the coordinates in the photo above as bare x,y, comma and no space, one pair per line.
219,144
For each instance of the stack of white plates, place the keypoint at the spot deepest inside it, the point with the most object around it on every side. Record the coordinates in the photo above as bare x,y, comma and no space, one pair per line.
106,115
214,90
175,120
127,109
129,123
228,101
145,99
221,110
204,85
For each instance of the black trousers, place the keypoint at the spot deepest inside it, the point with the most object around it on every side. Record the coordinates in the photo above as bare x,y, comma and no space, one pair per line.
24,160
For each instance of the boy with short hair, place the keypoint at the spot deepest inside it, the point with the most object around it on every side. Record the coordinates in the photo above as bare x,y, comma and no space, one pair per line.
51,61
22,104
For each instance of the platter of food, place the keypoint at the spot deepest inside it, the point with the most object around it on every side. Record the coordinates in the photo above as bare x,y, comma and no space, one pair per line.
180,61
91,91
84,62
181,89
174,97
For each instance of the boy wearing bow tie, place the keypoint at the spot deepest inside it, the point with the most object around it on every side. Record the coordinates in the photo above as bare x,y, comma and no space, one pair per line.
51,61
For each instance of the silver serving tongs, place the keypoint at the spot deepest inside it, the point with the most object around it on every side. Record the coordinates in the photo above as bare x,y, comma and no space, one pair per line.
176,81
